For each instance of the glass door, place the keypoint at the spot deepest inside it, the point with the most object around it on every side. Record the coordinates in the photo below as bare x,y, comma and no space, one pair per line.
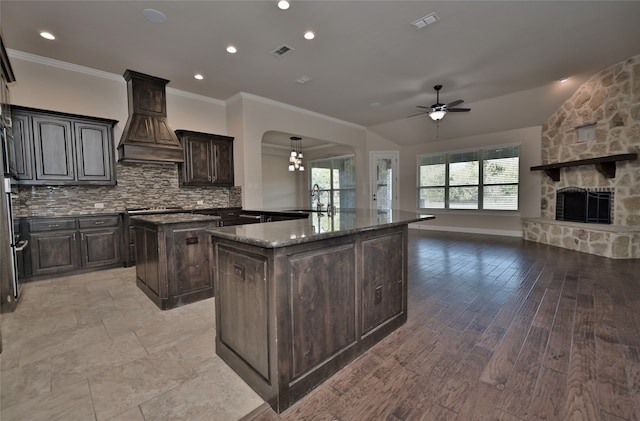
384,180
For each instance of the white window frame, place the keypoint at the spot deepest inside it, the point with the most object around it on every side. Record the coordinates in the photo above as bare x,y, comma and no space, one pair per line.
482,152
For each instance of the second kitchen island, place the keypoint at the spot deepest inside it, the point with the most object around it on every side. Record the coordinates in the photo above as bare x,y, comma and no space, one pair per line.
172,253
298,300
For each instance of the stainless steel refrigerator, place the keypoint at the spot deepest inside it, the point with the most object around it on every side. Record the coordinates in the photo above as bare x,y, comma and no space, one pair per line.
9,241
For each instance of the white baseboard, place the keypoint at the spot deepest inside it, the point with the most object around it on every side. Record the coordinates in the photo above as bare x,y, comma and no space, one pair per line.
506,233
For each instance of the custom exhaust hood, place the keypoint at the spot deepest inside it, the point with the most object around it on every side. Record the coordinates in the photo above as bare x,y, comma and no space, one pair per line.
147,135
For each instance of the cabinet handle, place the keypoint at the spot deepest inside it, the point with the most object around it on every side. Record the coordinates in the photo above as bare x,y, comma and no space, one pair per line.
74,236
54,225
82,236
99,222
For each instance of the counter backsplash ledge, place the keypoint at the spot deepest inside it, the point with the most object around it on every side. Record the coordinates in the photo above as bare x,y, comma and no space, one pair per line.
139,185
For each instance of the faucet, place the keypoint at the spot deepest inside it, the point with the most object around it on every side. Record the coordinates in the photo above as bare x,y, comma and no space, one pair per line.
315,193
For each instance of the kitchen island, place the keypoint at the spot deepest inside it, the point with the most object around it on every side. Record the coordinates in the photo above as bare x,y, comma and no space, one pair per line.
298,300
172,253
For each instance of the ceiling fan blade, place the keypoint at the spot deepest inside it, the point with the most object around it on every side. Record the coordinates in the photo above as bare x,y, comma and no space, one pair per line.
454,103
458,110
415,115
424,106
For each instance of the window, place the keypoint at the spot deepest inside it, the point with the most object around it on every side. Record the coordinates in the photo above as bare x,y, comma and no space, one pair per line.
336,178
485,179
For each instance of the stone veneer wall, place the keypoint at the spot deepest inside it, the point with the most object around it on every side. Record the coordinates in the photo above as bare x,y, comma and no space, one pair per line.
610,99
139,185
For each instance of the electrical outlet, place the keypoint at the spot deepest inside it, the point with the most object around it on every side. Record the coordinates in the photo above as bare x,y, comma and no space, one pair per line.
200,202
377,298
98,205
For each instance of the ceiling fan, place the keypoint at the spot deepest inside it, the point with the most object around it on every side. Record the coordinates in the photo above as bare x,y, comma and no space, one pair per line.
437,111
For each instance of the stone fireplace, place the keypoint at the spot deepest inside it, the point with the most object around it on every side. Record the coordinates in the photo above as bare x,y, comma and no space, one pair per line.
609,102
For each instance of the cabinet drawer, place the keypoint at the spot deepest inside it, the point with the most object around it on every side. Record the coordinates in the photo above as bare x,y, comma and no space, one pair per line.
52,225
98,222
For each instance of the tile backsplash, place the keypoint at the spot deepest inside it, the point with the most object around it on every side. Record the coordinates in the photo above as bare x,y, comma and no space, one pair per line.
139,185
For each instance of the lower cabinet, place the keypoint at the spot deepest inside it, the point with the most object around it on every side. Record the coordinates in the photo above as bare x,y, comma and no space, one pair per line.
100,241
59,246
53,245
172,262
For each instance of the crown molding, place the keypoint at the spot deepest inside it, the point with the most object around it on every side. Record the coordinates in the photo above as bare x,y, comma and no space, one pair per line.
45,61
245,95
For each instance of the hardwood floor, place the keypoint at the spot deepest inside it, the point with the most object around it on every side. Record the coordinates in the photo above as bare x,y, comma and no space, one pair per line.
499,329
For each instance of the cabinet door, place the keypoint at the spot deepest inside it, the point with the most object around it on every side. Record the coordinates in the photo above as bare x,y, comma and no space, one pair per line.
191,261
53,149
53,252
100,247
198,161
22,147
93,152
223,169
382,280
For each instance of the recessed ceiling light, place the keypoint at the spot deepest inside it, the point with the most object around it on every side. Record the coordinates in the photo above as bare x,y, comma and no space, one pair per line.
198,76
231,49
309,35
564,79
284,4
154,15
47,35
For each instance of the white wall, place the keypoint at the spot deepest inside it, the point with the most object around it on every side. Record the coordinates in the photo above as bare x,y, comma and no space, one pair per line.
280,187
253,116
57,86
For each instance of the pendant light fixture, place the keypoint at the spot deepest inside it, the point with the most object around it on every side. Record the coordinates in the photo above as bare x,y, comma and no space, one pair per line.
295,156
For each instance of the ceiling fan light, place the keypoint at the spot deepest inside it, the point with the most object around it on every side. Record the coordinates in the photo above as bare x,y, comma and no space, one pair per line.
437,115
291,167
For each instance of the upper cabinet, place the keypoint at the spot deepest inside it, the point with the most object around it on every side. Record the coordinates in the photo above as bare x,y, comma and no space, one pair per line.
62,149
208,159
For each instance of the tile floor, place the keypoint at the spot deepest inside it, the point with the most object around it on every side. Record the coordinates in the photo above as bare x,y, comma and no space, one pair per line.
94,347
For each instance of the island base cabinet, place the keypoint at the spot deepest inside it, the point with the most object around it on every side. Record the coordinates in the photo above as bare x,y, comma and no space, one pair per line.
172,266
287,318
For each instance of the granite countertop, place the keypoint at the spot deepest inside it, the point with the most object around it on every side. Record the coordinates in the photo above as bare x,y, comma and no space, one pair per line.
318,226
174,218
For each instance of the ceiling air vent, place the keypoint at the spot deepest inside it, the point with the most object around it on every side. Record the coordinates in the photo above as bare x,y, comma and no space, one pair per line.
425,21
280,51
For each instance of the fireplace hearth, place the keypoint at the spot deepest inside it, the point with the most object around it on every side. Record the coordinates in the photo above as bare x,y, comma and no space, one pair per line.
581,205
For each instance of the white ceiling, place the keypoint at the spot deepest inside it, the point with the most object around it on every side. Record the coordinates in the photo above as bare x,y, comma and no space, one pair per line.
503,58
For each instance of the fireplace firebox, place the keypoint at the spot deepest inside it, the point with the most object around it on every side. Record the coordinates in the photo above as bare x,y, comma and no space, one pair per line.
580,205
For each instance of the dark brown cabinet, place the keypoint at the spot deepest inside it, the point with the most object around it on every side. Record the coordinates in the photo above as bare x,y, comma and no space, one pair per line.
22,146
63,149
59,246
288,316
100,241
53,149
208,159
172,258
53,246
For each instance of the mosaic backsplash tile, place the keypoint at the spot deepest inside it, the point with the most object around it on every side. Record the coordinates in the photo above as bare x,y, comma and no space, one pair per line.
139,185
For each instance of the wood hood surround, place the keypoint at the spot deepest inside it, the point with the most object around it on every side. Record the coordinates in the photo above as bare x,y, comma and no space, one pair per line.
147,135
